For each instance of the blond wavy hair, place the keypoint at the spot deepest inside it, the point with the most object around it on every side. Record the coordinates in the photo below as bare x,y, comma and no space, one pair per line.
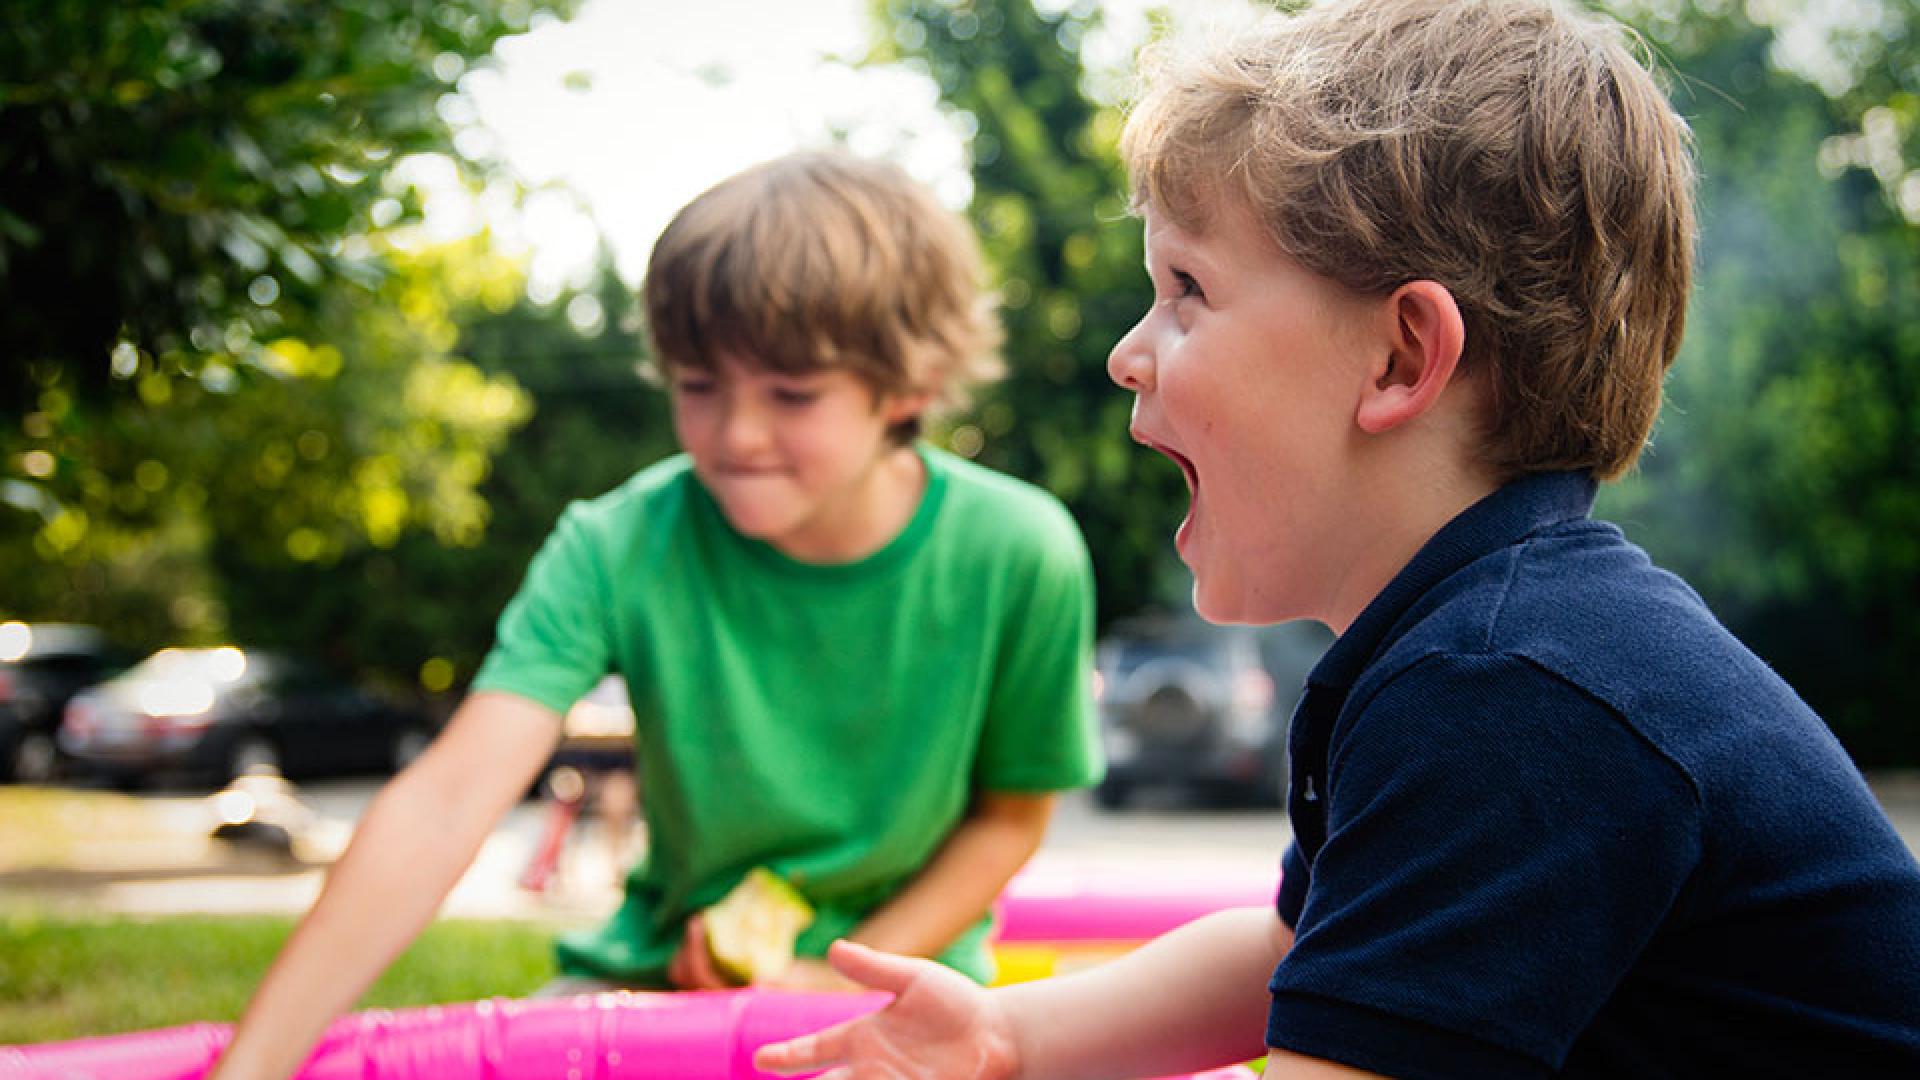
1514,151
824,260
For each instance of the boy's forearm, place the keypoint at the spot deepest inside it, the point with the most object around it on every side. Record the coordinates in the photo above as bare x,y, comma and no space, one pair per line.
1194,998
377,898
417,838
963,878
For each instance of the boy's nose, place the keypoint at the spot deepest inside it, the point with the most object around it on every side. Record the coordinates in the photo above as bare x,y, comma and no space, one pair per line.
742,428
1130,364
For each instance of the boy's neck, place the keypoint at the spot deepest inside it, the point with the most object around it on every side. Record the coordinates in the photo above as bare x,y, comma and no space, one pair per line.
1406,506
868,518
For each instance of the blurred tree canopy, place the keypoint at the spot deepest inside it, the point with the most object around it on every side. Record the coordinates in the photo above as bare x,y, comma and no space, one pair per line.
1785,476
423,606
216,357
184,177
1051,207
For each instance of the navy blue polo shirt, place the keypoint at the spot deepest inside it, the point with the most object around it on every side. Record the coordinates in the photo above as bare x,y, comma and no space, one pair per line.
1551,818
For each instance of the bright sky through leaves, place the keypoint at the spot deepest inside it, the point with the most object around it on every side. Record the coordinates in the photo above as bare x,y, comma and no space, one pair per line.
633,107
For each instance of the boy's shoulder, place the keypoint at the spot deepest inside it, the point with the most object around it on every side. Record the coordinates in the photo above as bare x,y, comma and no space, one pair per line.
995,507
1590,610
979,483
1557,585
664,482
650,502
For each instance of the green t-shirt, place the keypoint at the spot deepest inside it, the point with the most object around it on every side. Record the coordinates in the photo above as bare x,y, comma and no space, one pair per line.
828,722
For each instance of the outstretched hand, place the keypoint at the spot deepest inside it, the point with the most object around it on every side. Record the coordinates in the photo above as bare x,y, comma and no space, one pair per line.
940,1026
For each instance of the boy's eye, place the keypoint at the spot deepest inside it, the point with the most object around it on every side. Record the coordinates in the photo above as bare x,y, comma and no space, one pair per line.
693,387
792,395
1186,286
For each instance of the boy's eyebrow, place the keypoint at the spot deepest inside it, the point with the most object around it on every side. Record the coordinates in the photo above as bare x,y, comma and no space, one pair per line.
1156,246
1181,248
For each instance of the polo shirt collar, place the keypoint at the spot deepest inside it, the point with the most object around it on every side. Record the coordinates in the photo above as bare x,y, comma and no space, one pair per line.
1523,506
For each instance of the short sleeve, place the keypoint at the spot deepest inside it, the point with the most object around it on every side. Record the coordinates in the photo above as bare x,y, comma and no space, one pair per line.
1500,848
552,642
1040,732
1293,886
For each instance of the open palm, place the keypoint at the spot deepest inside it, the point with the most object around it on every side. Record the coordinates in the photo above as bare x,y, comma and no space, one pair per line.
940,1026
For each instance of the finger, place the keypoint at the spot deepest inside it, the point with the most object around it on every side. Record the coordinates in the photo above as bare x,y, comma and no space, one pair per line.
681,973
702,972
872,968
692,967
677,971
680,969
805,1052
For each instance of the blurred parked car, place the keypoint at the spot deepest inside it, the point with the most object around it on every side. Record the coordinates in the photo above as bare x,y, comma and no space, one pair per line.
1198,707
42,665
597,733
216,713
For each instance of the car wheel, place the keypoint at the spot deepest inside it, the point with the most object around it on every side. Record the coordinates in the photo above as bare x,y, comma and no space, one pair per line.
253,753
1112,794
35,760
408,745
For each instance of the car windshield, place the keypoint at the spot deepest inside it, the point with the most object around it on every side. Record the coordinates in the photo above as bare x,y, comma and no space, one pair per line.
220,667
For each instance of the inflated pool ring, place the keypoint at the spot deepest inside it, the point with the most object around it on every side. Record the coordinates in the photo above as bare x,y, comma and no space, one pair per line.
620,1036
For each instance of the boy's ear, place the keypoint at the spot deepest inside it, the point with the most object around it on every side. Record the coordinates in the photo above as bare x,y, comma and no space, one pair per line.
899,408
1425,337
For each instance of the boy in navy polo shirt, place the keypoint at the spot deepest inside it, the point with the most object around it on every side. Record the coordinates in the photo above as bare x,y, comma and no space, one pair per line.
1420,268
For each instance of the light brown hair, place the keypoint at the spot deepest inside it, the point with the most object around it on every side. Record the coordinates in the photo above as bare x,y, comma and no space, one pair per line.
1513,151
823,260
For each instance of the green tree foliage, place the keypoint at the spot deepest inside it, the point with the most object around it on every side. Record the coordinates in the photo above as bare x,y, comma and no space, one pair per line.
348,441
217,372
180,174
424,610
1784,480
1050,205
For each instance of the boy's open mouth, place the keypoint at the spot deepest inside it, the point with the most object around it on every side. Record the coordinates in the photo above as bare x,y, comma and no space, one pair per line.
1183,535
1186,467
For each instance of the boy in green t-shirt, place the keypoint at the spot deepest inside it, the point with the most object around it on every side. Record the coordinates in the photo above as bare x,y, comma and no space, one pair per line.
855,660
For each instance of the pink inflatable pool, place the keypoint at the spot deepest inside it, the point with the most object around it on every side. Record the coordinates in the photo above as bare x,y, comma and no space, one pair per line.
1051,901
1056,917
1051,918
591,1037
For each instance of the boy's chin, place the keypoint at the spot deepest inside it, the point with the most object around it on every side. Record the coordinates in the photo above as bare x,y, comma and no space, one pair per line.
1231,607
1221,610
757,525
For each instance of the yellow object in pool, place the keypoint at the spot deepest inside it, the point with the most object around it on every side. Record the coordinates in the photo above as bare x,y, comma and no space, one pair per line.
751,930
1025,961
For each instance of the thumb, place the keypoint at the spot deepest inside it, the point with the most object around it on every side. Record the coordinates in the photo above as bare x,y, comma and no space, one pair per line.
872,968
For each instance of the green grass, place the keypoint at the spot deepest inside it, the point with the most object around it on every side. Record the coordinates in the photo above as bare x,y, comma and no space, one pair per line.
68,976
